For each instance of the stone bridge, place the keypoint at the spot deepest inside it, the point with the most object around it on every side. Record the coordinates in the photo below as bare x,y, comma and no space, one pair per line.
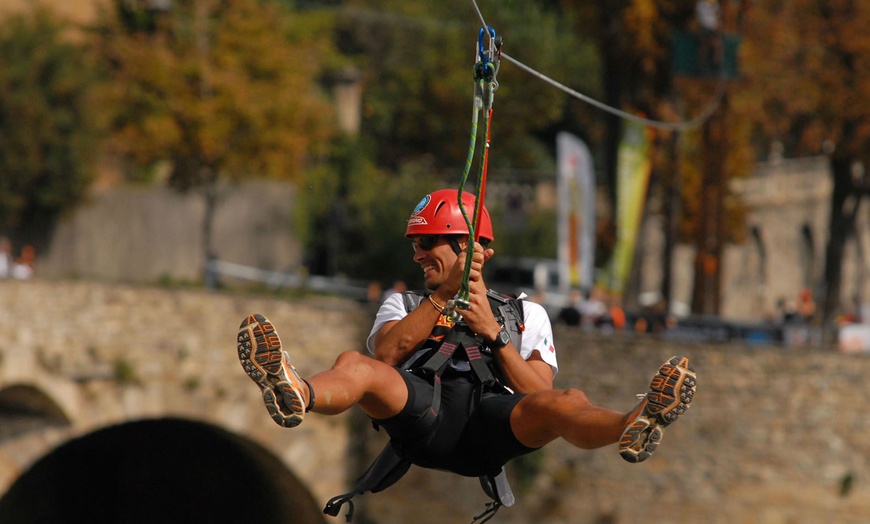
138,393
127,404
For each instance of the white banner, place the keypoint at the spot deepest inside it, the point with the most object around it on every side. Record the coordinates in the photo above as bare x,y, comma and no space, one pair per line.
576,188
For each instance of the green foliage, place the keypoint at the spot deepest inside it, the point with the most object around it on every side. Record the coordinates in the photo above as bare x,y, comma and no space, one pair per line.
47,133
125,374
536,236
379,209
418,60
356,216
417,112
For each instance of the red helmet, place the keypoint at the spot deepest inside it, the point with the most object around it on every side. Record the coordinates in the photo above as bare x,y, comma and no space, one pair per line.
439,214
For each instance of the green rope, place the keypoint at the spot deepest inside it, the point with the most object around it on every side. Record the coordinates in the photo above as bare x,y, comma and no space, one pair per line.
484,74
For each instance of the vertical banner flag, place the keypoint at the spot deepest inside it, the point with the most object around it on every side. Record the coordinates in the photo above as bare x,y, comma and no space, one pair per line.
576,188
632,177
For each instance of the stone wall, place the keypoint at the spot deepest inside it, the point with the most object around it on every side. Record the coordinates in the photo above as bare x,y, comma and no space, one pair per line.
774,436
135,234
109,354
139,234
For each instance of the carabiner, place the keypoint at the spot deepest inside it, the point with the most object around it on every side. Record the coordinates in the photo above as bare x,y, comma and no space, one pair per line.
482,54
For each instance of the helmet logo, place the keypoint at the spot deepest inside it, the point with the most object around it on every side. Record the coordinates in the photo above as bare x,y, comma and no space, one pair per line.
415,219
418,220
421,206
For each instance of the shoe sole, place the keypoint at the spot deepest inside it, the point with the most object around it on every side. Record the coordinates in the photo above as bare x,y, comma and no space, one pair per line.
263,360
670,394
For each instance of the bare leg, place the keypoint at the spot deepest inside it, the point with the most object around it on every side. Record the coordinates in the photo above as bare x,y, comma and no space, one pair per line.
358,379
543,416
354,379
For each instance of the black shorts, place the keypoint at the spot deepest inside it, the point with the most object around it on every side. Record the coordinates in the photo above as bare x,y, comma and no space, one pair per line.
463,440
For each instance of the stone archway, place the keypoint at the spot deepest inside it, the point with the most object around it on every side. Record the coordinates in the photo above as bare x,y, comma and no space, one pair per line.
24,408
160,470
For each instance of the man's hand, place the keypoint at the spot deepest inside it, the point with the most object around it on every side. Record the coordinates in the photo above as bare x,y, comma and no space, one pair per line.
454,279
478,316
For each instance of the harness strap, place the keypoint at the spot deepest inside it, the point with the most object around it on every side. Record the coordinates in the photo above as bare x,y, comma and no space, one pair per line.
385,471
458,337
491,509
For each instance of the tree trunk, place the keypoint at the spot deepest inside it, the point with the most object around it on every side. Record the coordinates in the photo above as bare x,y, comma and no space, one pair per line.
710,240
611,59
841,225
209,195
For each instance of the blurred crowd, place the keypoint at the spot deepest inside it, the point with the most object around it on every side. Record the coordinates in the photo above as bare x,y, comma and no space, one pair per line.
21,267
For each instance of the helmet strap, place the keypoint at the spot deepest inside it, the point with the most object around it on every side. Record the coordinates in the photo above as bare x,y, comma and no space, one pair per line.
454,244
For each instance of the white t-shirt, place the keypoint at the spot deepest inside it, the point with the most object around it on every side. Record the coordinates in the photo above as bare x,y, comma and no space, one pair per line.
538,335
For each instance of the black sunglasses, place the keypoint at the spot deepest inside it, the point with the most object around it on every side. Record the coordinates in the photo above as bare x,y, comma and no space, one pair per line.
425,242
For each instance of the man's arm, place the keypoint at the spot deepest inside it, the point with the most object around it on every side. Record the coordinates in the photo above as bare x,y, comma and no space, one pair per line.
399,339
523,376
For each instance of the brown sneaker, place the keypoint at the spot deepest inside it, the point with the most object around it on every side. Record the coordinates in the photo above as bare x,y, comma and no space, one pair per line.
263,360
670,393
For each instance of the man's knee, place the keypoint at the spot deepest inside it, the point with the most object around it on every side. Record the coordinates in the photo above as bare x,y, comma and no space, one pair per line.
361,366
577,395
559,399
571,399
351,359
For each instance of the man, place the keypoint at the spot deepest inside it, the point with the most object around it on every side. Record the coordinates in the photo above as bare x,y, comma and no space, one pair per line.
471,428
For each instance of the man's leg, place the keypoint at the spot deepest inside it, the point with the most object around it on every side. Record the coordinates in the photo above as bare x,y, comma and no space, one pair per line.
354,379
543,416
359,379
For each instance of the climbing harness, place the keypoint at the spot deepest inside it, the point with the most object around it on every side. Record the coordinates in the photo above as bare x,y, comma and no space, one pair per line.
431,362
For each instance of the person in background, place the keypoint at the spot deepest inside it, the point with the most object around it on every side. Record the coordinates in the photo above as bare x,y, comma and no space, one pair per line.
25,265
6,260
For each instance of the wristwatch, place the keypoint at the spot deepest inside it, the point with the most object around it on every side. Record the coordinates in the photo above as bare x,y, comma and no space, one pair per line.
501,340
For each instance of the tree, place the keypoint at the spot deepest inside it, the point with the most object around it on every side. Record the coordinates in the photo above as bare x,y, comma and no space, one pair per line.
47,134
810,65
635,40
417,58
221,90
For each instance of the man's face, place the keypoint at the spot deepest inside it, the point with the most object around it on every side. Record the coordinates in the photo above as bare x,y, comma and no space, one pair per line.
436,258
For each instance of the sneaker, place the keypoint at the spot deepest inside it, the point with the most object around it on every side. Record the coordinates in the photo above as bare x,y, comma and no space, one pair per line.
263,360
670,393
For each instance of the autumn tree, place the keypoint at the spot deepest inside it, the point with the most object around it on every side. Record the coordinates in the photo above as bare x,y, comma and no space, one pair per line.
636,41
47,133
809,61
218,90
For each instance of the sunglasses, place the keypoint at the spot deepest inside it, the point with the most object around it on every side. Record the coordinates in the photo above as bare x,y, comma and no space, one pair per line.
425,242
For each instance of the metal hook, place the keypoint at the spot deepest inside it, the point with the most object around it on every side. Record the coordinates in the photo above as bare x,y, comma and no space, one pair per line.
484,55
